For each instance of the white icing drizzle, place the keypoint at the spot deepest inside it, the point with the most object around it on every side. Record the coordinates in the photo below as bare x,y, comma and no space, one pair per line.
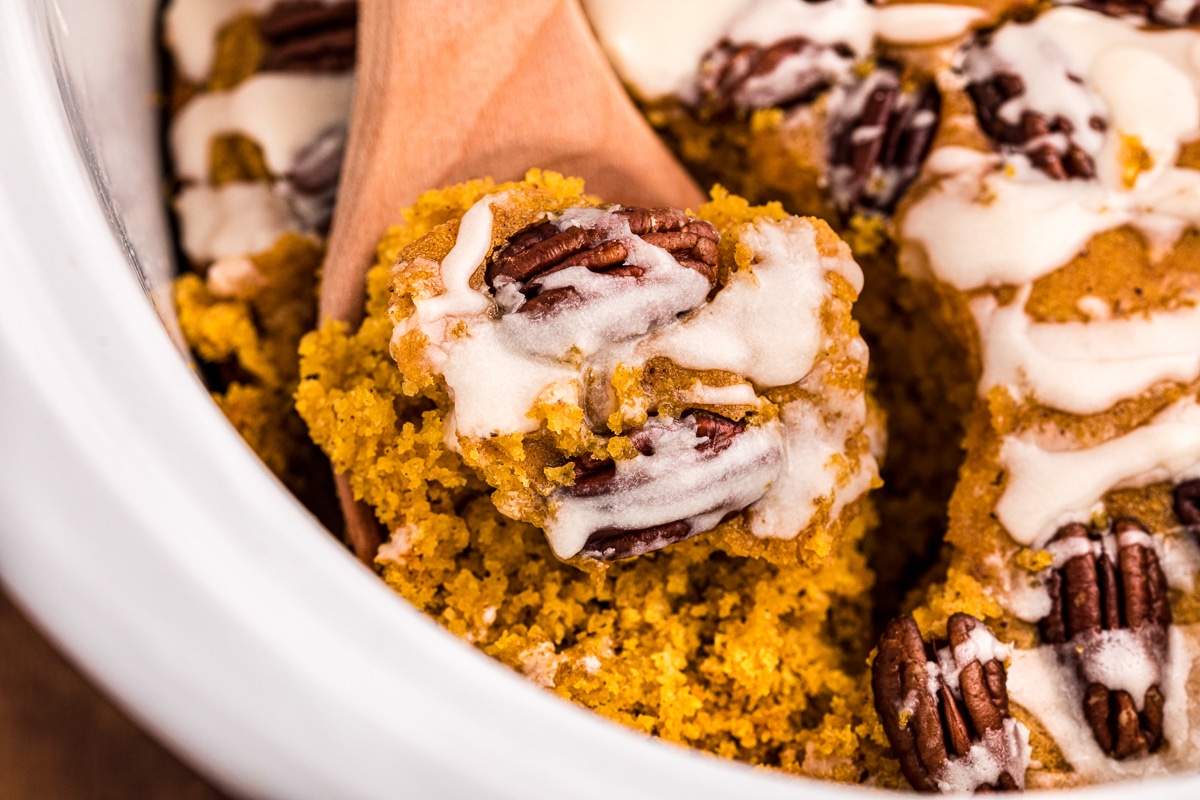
653,490
1045,489
232,219
766,326
282,112
1084,367
1122,660
992,219
657,47
924,23
190,28
1179,555
813,469
765,22
1026,597
1048,686
1005,750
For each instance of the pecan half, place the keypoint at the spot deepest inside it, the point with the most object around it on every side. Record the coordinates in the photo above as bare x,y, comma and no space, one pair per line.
945,709
1187,504
1061,146
310,36
1111,615
539,252
737,78
879,137
697,471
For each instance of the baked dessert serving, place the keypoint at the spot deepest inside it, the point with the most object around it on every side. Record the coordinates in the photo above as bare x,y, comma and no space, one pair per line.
542,377
627,451
631,377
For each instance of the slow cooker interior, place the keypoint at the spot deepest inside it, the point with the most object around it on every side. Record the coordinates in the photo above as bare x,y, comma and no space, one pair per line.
106,69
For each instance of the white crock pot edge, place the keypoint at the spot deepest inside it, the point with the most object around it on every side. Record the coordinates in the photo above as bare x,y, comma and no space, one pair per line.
238,631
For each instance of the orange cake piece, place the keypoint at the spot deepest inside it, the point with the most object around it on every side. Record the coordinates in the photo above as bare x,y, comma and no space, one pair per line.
1058,222
626,378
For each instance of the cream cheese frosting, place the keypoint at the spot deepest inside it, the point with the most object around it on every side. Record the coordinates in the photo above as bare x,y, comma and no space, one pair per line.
1046,686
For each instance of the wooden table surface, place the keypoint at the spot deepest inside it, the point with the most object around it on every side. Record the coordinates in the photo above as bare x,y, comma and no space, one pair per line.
60,739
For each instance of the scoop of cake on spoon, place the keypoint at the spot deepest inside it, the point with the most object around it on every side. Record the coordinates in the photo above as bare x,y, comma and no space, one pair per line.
455,90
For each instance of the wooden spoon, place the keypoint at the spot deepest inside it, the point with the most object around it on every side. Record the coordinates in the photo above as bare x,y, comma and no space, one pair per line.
453,90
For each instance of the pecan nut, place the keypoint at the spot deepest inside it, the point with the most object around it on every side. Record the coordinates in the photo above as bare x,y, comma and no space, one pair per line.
879,137
1110,615
1187,504
1061,146
592,276
945,708
628,508
310,36
738,78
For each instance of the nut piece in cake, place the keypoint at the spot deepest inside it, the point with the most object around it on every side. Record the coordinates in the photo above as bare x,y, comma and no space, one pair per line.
830,106
944,708
626,378
1109,611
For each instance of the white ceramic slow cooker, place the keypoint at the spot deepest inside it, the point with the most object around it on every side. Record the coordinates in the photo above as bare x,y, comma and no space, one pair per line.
145,537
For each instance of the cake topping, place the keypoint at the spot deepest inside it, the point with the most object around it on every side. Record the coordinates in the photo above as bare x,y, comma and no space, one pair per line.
310,35
945,709
880,135
1000,218
283,113
593,278
568,317
1187,504
626,508
1109,612
549,248
786,73
1084,367
1047,486
1031,100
